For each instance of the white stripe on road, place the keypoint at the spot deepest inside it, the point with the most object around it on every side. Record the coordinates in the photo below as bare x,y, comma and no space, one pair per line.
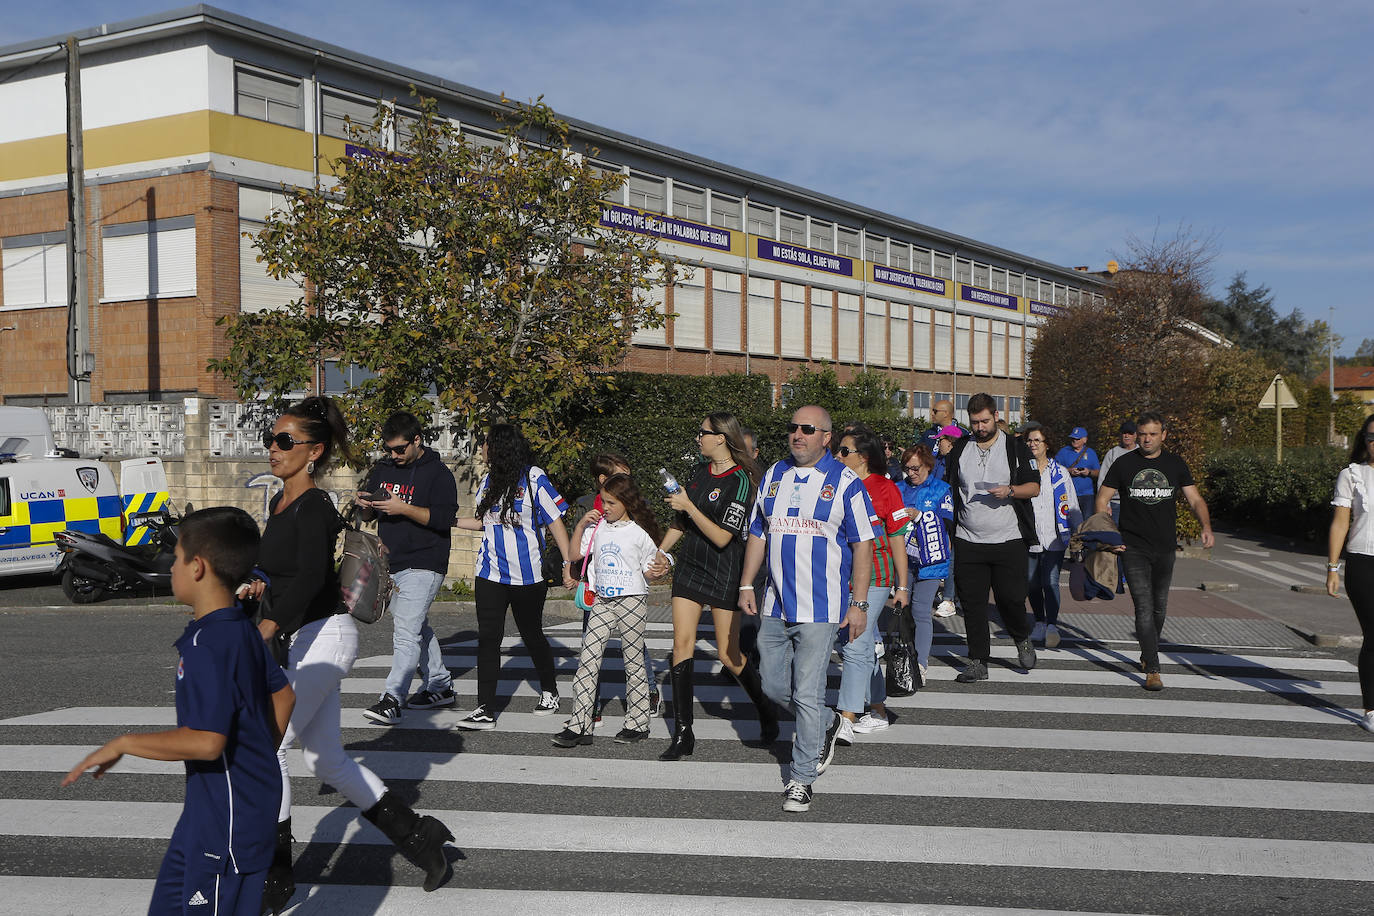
1259,572
128,897
581,771
810,840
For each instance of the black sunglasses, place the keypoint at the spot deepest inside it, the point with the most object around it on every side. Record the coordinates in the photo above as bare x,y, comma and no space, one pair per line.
283,441
807,428
707,432
845,451
397,449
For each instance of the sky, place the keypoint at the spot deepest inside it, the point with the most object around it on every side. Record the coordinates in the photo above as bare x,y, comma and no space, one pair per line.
1059,129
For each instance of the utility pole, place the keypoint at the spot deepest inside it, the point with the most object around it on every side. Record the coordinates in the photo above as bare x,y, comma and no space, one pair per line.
1331,373
80,359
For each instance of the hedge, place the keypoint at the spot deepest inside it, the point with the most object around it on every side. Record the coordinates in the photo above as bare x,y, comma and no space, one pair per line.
1248,487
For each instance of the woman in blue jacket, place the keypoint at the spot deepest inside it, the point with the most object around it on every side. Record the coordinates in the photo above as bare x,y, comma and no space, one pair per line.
931,509
1056,515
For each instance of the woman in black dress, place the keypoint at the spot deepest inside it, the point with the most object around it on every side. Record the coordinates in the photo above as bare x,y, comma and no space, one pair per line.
712,522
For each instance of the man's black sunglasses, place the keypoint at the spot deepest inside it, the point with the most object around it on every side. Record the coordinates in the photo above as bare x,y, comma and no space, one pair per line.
397,449
284,441
807,428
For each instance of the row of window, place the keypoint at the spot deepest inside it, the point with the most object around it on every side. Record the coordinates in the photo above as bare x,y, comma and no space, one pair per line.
143,260
768,317
279,99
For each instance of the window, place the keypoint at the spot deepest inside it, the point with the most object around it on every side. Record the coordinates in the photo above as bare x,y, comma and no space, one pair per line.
875,332
944,344
999,280
793,327
483,140
899,255
762,221
1016,365
920,403
1030,342
258,290
999,348
654,336
689,302
340,379
34,270
1074,297
980,275
961,403
335,108
689,203
900,330
982,365
920,260
1032,289
942,266
149,260
646,192
1014,284
605,169
847,334
963,271
920,337
403,127
822,235
725,211
791,228
725,288
1013,410
849,243
822,340
1061,294
963,344
268,97
875,249
760,317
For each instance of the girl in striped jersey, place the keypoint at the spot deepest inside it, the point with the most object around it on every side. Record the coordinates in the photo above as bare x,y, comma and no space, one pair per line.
861,679
515,501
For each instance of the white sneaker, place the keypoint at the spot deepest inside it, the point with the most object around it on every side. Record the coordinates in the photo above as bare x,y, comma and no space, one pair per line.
946,609
870,723
1051,637
547,705
845,736
1367,721
1038,632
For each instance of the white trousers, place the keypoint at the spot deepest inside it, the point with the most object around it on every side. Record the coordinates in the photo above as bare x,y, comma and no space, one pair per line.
322,653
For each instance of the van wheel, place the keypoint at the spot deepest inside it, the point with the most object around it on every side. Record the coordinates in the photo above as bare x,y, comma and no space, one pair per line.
80,590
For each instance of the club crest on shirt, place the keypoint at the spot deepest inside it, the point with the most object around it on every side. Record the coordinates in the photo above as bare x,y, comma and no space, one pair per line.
714,494
773,489
827,492
181,669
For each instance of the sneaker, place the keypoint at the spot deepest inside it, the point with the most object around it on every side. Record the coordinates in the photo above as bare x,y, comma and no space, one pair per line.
845,736
870,723
1153,681
1025,654
431,699
477,720
827,749
973,671
569,738
630,736
796,797
945,609
547,705
1038,632
1367,721
386,711
1051,637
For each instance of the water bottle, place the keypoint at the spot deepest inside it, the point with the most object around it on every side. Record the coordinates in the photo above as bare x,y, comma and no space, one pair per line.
670,483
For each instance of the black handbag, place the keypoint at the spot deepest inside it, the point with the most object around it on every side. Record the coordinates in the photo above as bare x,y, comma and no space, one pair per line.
899,650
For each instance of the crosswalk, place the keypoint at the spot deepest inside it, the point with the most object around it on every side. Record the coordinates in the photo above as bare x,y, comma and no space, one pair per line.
1244,787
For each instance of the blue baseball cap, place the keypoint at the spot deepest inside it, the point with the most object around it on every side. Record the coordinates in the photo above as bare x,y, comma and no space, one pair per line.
1078,432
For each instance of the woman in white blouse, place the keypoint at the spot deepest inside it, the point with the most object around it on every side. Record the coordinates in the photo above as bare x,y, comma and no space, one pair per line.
1352,527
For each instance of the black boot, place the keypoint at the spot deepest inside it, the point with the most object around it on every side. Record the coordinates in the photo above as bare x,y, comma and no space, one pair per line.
768,713
420,839
684,742
281,882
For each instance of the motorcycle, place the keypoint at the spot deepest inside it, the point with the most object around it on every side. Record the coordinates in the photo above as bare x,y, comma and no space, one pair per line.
96,565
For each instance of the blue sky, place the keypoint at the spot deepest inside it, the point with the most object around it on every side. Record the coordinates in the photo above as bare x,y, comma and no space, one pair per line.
1056,128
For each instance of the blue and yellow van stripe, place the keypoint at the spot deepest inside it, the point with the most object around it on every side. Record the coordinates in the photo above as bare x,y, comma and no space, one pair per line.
138,504
36,522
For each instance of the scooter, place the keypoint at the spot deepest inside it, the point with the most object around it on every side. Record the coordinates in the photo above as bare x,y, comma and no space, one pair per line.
95,565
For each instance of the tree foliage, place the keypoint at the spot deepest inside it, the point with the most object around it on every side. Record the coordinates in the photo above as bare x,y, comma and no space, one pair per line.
476,275
1247,317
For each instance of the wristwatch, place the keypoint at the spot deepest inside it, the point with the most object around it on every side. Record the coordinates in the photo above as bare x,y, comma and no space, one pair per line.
861,605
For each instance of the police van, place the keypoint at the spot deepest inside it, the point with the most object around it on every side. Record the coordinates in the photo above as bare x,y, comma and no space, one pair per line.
44,490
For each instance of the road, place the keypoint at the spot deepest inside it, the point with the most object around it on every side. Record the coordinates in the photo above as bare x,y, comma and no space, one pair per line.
1244,787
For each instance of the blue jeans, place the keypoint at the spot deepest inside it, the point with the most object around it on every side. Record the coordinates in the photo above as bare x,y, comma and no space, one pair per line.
412,639
1043,579
860,661
922,598
794,659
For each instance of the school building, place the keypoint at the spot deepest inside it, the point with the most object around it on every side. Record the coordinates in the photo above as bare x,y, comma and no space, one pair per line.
195,118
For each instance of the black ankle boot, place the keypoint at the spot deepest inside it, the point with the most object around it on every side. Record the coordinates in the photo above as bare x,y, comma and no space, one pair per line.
768,713
684,742
281,881
420,839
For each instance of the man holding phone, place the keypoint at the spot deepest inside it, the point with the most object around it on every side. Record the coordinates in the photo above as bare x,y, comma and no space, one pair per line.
414,498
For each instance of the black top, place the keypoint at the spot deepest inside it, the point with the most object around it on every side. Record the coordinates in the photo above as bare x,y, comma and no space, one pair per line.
297,554
426,482
1149,488
1022,471
704,570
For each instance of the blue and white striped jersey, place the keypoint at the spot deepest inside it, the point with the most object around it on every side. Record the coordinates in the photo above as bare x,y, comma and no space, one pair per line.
809,517
509,554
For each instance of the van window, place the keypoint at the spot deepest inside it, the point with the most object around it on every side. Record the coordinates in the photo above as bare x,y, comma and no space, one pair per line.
4,496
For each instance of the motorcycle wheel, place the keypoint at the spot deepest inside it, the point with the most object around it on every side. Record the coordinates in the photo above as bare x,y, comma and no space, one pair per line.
80,590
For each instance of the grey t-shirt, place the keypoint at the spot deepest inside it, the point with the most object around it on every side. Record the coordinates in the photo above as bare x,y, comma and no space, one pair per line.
985,519
1115,452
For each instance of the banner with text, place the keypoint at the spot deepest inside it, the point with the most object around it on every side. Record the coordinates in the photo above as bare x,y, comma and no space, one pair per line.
1044,308
907,280
805,257
665,227
987,297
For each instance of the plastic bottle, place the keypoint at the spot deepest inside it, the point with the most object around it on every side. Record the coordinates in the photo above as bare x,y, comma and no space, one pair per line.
670,483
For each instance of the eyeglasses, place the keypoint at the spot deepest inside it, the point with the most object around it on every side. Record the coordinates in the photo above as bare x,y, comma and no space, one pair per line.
913,468
397,449
707,432
284,441
806,428
1369,437
1036,441
845,451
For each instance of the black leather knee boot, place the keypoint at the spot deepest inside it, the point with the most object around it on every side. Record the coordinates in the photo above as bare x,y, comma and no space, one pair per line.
684,742
281,881
420,839
767,711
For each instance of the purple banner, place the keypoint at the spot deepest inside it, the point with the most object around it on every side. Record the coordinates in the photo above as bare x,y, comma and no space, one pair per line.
1044,308
986,297
907,280
805,257
363,153
665,227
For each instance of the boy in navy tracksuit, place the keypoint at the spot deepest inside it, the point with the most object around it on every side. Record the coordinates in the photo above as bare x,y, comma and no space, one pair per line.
233,703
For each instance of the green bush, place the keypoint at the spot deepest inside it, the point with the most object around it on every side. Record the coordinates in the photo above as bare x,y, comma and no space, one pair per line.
1247,487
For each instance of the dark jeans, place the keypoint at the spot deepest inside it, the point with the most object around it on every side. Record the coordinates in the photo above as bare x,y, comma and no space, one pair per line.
1086,504
526,603
1043,581
1148,575
1359,585
1001,567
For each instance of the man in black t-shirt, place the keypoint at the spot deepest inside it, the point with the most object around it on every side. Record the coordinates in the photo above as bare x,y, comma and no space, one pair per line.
1150,481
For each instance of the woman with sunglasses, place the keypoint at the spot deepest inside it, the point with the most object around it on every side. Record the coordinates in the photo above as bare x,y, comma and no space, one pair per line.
1056,515
1352,527
930,506
296,575
861,680
711,521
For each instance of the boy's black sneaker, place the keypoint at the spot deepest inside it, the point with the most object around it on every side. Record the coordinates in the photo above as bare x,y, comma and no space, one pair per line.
386,711
569,738
431,699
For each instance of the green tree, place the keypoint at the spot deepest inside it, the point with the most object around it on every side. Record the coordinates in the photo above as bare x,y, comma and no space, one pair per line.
477,275
1247,317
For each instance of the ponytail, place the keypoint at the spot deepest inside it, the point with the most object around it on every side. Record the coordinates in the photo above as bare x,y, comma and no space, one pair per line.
321,420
